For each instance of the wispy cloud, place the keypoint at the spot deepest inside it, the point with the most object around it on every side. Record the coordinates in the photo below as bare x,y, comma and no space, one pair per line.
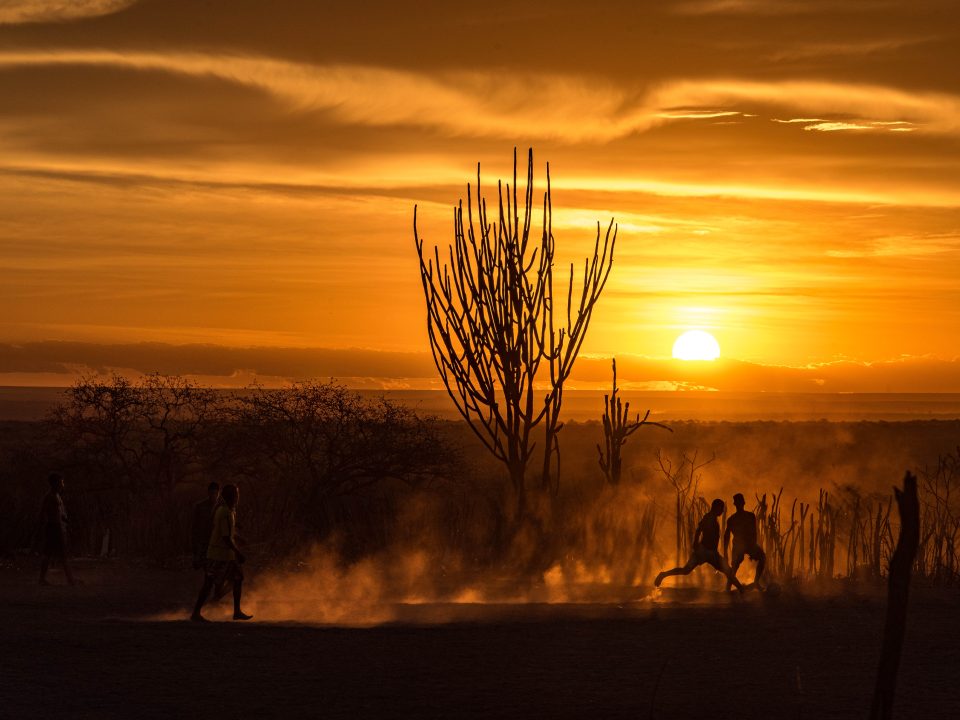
763,191
566,108
904,246
696,114
821,125
419,171
834,126
848,48
766,7
931,112
47,11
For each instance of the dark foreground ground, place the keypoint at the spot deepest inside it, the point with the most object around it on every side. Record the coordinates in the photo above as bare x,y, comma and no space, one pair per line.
89,652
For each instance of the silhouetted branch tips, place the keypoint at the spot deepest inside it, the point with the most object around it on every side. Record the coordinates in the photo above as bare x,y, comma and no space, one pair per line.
684,478
493,329
901,566
617,427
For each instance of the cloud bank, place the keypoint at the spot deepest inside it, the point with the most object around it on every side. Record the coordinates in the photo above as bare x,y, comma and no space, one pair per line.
62,363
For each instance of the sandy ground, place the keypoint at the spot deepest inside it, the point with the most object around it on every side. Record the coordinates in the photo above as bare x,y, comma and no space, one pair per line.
99,651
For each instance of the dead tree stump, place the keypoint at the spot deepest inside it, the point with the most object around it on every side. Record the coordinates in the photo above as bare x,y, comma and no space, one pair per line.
901,564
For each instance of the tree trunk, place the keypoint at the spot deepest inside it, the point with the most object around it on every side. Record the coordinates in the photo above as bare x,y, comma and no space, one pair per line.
901,565
518,482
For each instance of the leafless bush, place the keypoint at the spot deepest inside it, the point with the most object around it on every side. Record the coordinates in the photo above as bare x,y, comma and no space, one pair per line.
940,521
129,445
869,539
143,436
684,477
313,451
617,427
807,548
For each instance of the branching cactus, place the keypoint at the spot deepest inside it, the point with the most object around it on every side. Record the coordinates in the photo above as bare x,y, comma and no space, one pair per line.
617,427
498,327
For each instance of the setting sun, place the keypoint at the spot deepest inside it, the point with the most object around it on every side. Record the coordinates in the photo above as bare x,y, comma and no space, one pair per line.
696,345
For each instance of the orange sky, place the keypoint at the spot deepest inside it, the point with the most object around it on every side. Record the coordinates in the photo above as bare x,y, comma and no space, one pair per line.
785,173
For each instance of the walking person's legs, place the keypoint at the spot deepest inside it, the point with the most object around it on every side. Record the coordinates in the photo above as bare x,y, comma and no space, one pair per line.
238,614
55,548
208,582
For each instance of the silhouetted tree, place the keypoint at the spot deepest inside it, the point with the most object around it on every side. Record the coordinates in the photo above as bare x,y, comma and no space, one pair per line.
495,326
617,427
141,436
130,444
309,443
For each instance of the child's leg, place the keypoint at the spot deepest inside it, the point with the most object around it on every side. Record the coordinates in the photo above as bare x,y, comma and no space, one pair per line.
723,567
238,614
683,570
737,560
761,559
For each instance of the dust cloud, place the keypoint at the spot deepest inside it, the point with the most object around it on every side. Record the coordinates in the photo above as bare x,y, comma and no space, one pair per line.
821,492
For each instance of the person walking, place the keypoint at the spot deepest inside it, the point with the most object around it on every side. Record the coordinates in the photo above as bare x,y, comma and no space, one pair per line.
224,560
53,518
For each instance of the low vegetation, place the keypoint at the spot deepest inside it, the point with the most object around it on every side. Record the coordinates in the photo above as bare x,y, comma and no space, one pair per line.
319,464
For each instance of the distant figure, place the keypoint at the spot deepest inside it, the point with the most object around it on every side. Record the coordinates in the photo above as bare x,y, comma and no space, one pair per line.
743,526
706,540
203,524
53,516
224,559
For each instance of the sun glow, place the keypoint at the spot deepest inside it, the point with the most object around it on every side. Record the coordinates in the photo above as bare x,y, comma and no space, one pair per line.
696,345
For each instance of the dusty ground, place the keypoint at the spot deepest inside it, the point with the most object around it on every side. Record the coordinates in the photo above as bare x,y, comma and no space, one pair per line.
89,652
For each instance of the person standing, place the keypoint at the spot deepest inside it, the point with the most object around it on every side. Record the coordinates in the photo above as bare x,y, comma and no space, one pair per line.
743,526
203,524
224,560
53,517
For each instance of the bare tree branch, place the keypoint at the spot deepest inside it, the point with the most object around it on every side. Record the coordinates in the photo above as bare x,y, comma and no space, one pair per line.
492,323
